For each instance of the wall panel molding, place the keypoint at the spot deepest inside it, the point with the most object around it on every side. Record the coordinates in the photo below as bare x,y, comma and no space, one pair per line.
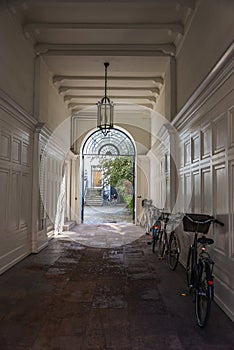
16,145
209,116
206,140
221,72
219,129
16,111
231,127
231,204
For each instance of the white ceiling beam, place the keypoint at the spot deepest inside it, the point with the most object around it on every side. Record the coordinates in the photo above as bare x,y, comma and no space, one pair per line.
61,78
81,107
104,49
30,28
64,89
72,97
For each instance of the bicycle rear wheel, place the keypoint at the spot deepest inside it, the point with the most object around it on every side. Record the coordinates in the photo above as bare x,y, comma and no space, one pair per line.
154,244
173,252
189,270
204,294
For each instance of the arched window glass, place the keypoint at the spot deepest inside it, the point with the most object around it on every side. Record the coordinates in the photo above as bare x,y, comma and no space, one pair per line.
116,143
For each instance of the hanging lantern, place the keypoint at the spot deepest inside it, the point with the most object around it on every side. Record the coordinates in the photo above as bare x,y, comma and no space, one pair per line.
105,110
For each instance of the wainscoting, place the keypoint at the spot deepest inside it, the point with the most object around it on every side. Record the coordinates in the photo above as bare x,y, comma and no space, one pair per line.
16,147
206,169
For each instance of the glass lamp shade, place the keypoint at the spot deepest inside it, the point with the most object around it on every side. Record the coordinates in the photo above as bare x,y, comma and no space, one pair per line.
105,111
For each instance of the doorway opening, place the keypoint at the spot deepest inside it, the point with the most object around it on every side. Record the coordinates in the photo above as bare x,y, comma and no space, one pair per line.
108,178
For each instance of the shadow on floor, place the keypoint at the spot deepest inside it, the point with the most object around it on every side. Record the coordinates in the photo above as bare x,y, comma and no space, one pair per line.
72,296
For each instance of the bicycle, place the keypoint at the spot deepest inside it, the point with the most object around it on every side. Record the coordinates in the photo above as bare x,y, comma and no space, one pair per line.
168,244
145,217
155,227
199,267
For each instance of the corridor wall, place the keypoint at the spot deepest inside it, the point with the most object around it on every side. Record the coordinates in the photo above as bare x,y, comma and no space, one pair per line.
206,169
27,98
16,147
16,142
206,39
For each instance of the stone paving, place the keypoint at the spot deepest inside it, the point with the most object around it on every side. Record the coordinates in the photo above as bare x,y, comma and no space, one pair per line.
107,213
72,296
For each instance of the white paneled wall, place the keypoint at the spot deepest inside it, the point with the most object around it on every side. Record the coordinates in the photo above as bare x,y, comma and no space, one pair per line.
52,171
16,146
206,128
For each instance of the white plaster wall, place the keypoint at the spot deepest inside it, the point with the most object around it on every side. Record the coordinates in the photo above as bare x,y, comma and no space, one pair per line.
16,62
53,160
142,182
160,105
136,122
208,37
157,179
52,109
206,171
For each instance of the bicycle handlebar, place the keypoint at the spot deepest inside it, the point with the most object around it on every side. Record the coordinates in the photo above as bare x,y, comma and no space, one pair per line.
219,222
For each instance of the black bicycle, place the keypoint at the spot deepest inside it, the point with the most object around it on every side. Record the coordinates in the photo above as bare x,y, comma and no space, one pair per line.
168,243
199,268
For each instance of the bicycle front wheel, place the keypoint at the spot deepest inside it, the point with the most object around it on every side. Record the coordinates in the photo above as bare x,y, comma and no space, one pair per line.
204,294
155,234
173,252
162,243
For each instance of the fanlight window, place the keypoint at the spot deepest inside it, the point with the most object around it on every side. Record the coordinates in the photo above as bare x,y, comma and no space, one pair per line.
115,143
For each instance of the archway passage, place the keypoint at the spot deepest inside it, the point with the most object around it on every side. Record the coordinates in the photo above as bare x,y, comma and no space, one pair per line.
108,178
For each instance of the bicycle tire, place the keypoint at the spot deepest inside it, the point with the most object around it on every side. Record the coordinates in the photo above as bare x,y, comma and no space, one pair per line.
189,267
155,235
173,252
161,243
204,294
154,244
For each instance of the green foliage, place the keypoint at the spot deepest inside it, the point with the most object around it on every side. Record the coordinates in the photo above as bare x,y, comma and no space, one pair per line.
116,169
118,172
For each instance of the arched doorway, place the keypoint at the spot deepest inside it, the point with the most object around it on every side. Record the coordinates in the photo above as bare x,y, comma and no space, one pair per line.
108,177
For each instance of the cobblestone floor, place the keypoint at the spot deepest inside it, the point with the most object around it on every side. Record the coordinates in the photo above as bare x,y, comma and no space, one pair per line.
72,296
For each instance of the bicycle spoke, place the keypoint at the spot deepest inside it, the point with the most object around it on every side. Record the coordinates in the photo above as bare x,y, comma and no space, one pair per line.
203,297
173,253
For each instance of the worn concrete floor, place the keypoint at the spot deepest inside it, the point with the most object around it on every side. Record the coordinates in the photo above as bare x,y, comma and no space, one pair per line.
73,296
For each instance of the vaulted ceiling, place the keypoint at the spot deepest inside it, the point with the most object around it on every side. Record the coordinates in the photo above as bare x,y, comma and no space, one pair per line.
75,37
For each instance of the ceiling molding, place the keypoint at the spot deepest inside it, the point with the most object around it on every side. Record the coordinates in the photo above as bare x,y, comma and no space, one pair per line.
98,97
104,49
86,104
184,3
64,89
61,78
30,28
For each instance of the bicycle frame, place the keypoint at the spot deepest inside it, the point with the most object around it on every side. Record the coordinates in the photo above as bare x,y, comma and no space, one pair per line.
199,268
194,271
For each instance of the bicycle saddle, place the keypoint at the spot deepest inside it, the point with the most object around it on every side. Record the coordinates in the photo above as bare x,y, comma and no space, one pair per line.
204,240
